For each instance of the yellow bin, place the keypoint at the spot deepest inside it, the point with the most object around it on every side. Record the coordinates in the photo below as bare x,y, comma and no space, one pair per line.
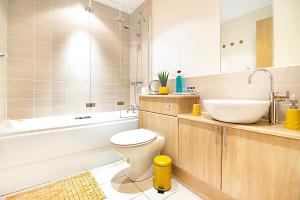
162,173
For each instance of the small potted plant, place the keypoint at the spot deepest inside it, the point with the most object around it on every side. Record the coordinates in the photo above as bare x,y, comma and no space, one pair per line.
163,79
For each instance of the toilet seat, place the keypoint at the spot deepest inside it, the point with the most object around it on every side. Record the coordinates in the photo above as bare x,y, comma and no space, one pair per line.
133,138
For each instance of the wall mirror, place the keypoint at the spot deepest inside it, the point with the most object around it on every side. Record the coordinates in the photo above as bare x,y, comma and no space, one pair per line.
259,34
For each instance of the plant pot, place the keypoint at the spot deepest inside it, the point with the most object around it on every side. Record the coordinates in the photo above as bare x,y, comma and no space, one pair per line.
163,90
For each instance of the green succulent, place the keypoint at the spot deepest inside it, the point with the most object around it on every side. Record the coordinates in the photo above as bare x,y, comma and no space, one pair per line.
163,78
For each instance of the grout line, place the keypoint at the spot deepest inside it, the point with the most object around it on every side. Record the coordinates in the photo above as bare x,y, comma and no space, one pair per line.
110,180
173,193
142,192
34,62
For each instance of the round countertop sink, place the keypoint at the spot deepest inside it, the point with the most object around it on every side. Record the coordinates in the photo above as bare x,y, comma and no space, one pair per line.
236,111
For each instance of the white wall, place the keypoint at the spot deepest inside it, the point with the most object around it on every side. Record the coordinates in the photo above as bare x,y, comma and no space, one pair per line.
234,8
286,32
241,56
186,35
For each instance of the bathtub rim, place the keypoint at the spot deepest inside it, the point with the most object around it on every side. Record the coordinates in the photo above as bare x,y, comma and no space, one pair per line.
18,133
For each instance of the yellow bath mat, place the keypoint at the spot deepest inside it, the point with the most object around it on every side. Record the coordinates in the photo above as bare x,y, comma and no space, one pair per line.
79,187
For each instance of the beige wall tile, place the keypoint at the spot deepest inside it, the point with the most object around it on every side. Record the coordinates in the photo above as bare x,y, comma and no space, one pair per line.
43,14
43,37
43,47
44,2
42,95
21,23
16,43
20,54
43,103
60,94
20,84
16,63
20,105
49,60
43,56
43,76
43,65
60,3
26,4
26,12
18,33
43,28
43,85
20,114
3,61
15,74
20,94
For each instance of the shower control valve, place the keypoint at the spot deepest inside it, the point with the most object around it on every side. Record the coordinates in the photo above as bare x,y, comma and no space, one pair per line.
168,107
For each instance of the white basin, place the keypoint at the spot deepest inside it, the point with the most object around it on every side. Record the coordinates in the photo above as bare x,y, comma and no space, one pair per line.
236,111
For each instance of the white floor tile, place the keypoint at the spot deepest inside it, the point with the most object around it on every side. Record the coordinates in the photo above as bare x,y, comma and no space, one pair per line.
122,164
120,189
141,197
147,188
107,173
183,193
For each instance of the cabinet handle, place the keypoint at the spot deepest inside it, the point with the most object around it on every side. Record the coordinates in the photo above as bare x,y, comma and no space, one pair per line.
225,136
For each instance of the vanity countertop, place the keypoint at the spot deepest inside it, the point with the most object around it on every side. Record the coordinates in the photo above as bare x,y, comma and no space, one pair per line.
172,96
261,126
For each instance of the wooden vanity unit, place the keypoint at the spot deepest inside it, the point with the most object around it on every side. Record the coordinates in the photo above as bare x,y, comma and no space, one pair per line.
159,113
220,160
228,161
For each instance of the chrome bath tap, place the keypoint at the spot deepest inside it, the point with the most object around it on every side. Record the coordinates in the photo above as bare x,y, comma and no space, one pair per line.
134,109
274,97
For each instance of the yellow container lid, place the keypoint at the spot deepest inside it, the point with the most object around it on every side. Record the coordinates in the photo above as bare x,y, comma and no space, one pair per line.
162,161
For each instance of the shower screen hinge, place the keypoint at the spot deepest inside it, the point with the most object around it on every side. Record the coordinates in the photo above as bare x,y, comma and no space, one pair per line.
2,52
90,105
120,103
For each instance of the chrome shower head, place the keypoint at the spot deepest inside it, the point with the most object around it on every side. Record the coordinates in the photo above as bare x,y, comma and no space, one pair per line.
89,7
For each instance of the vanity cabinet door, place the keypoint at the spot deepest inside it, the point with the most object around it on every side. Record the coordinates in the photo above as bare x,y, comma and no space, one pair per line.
200,151
259,166
166,126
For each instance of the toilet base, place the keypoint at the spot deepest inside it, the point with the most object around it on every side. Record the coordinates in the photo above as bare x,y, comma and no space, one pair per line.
144,176
140,159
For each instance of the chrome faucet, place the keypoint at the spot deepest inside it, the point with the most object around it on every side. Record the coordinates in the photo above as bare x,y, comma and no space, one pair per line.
274,97
133,108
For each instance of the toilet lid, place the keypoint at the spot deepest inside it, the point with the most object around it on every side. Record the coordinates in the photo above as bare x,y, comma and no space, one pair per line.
133,137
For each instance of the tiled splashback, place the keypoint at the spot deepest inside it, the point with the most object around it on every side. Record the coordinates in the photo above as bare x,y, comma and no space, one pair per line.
235,85
3,60
48,63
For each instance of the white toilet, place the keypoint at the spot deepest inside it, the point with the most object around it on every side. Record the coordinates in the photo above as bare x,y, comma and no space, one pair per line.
139,147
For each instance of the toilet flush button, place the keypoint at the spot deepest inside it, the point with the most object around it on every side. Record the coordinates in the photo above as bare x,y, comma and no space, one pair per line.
168,107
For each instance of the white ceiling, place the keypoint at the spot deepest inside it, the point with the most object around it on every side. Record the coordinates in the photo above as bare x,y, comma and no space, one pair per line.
234,8
127,6
229,8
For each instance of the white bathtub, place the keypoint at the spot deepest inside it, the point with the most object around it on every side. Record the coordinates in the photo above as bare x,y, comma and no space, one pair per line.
35,151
